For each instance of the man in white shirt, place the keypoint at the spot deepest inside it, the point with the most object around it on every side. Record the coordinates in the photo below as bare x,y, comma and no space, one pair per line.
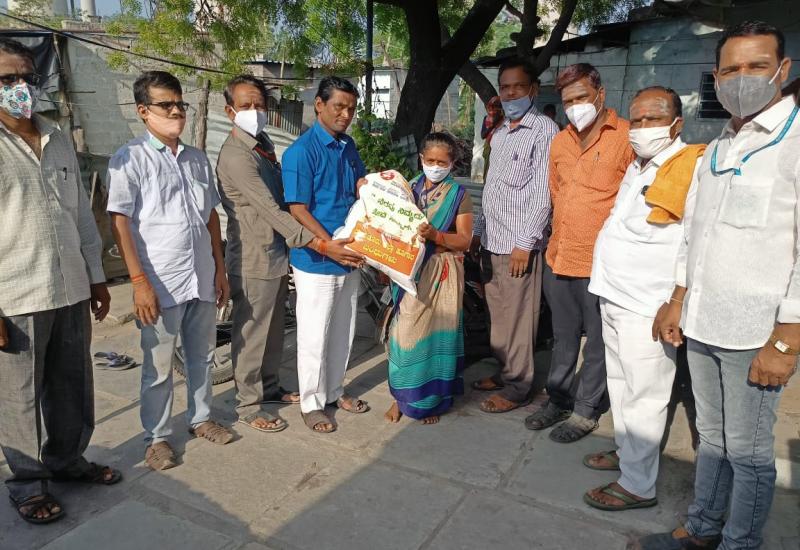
738,277
633,273
161,198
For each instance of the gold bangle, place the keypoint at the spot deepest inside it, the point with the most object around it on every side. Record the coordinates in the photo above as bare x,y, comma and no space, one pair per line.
676,300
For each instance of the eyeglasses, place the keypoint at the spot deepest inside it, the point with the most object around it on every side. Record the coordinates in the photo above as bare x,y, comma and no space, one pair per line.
169,105
31,79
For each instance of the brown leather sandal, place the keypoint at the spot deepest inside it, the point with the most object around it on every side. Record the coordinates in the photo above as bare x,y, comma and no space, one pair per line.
159,456
213,432
499,404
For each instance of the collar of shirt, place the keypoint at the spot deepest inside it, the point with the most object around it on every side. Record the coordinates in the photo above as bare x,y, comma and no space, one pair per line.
158,145
327,139
246,139
768,120
44,125
660,158
527,120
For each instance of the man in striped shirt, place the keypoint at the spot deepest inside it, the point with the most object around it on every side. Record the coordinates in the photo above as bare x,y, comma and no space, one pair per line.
516,212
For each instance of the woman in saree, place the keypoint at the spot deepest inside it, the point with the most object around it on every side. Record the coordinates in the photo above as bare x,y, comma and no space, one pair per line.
426,340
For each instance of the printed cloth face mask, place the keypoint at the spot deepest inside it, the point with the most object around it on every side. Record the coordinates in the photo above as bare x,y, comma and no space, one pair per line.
745,95
18,99
648,142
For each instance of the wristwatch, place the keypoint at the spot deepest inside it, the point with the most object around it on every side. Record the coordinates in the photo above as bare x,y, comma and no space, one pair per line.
782,346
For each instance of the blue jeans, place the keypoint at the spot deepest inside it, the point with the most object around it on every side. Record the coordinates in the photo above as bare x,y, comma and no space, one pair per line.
195,323
736,457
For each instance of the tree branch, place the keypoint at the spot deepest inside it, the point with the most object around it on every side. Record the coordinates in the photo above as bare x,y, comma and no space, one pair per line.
471,31
542,61
474,78
513,11
530,29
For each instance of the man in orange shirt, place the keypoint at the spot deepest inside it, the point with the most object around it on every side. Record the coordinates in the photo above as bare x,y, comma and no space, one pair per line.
587,162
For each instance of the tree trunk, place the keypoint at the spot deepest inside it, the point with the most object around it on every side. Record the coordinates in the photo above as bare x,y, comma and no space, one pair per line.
201,117
476,80
433,65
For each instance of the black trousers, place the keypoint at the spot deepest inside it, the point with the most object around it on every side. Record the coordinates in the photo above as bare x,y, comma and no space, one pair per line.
575,311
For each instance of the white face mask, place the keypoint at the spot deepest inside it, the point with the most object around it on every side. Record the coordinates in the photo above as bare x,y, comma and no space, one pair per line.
251,121
648,142
583,114
436,173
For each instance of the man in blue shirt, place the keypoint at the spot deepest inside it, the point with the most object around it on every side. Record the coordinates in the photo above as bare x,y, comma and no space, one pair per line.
321,174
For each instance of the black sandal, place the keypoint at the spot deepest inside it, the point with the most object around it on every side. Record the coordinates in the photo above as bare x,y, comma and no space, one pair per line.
573,429
96,474
37,503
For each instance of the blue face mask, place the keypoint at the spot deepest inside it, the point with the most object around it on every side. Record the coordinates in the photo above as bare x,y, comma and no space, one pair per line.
515,109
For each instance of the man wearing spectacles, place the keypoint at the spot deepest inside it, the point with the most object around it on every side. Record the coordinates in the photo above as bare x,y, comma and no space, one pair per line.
162,195
51,277
737,295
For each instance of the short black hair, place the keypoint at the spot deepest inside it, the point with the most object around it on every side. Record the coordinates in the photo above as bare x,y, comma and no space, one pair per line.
330,83
753,28
521,63
248,79
154,79
441,139
14,47
677,104
549,107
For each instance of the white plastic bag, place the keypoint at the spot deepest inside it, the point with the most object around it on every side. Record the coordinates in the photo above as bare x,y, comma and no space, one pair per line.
383,222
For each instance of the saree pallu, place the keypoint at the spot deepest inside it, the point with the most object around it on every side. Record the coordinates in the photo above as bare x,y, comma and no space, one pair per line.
426,339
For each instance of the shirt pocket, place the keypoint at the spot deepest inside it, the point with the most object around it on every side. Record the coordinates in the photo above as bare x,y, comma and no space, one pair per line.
202,196
746,204
519,171
66,187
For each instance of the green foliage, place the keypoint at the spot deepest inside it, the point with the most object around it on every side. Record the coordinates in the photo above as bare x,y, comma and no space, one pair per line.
372,137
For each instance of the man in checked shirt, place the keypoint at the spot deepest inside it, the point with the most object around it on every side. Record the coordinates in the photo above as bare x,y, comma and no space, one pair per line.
516,212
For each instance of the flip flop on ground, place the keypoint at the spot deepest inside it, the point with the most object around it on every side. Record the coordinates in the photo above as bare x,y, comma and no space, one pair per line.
594,461
625,501
285,397
270,424
490,383
499,404
113,361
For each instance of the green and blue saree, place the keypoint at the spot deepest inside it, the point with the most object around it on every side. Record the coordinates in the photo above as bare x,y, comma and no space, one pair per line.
426,341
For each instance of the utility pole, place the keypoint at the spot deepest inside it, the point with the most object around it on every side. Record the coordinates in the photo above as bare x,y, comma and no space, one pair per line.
370,68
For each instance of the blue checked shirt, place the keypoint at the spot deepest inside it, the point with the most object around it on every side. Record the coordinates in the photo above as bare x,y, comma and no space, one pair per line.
516,198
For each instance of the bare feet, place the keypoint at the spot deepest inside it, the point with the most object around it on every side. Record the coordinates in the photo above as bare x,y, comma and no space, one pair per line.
430,420
393,415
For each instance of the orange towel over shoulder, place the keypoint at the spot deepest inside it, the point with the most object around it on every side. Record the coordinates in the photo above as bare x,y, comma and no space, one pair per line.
667,194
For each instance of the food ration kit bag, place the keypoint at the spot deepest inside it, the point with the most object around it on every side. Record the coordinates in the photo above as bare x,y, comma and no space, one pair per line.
383,223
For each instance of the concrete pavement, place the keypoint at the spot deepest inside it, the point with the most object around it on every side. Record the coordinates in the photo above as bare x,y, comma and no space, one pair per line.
474,481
